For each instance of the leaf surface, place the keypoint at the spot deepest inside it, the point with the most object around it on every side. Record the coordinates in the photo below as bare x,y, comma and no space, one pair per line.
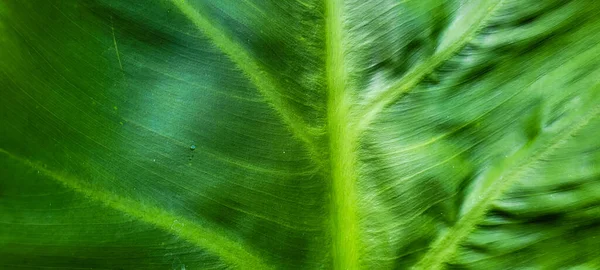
383,134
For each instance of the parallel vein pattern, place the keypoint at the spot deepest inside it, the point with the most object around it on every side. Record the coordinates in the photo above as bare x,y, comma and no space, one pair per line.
501,178
229,250
251,68
415,75
343,134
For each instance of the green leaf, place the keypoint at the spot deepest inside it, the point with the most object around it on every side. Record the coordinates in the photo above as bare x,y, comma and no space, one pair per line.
309,134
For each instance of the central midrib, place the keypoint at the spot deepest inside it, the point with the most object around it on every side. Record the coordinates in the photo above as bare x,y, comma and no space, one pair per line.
342,142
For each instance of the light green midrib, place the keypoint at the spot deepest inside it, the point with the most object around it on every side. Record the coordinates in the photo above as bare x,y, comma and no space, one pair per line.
414,76
443,248
342,144
261,79
207,239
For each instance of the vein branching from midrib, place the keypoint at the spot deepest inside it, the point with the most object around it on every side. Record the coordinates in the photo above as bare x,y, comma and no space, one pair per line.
501,178
215,242
261,79
342,143
414,76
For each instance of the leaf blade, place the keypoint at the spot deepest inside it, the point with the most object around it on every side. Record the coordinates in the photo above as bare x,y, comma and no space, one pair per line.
211,240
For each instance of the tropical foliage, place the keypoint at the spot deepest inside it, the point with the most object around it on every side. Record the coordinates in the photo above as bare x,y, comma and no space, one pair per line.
310,134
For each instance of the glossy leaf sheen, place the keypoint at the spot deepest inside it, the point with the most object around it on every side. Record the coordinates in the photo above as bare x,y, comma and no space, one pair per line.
310,134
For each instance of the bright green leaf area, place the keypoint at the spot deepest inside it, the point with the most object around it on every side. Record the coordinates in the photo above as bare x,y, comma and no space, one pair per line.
300,134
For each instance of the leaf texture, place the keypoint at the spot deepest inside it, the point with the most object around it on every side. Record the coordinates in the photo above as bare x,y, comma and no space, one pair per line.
309,134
